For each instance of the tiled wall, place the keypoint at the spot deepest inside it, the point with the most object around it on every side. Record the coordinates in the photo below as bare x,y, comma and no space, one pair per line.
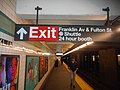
8,7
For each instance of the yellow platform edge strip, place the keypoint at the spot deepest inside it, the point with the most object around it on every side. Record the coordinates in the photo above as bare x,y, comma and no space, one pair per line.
80,81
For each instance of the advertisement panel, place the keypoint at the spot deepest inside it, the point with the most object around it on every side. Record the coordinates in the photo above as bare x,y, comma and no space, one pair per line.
43,62
9,70
46,64
42,66
32,72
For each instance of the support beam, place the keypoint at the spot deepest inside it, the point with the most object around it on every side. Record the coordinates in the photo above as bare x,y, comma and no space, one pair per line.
107,10
37,8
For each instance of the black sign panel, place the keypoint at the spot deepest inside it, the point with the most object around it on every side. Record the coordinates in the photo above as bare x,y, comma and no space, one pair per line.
67,33
21,33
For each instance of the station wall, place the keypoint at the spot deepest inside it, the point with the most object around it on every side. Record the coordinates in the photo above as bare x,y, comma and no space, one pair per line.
8,19
7,51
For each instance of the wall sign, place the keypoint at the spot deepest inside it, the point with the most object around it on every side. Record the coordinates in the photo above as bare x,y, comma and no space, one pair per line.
59,32
5,42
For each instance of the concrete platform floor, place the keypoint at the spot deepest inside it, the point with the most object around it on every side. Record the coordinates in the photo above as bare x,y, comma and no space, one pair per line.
59,79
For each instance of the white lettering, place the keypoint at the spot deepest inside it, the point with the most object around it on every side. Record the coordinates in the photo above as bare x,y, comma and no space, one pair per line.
35,32
42,34
53,32
81,30
84,39
61,38
68,29
71,38
97,29
87,29
109,29
32,31
48,32
72,34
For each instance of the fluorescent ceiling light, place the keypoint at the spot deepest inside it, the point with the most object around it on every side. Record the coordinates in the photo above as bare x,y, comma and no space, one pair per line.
118,55
59,54
77,48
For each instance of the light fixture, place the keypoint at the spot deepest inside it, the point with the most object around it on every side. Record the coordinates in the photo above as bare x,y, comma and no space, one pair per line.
118,29
93,58
9,45
59,53
77,48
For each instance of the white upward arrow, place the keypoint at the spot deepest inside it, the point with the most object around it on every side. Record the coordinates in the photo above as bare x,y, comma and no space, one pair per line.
21,32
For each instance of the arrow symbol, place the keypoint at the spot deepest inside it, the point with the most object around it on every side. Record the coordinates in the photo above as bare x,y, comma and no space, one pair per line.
21,32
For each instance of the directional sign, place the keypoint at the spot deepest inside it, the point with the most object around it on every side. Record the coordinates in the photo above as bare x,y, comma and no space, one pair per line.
36,33
67,33
21,31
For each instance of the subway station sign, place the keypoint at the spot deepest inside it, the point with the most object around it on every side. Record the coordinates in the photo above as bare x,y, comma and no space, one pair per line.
59,32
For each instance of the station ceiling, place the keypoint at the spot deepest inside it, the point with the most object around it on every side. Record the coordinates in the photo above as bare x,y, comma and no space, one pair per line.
68,12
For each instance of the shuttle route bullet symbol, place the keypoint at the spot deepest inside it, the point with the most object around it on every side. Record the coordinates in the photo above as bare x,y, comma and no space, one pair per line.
21,32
